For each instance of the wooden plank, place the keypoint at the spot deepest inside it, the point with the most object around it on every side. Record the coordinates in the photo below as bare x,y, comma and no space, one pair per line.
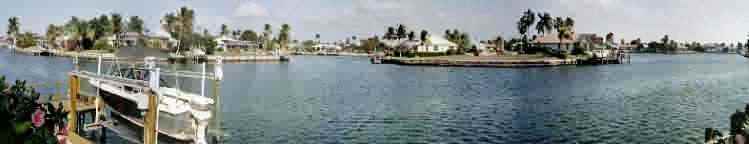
74,138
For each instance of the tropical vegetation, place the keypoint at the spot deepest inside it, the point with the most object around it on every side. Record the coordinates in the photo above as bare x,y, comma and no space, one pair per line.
24,119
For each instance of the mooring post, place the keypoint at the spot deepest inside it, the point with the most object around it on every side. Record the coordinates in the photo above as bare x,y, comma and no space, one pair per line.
150,131
73,95
218,73
202,80
150,134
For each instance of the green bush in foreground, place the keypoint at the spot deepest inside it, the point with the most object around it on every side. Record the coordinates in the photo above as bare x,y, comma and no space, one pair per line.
23,119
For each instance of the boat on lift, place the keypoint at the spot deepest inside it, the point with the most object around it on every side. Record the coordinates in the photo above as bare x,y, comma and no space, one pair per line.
183,117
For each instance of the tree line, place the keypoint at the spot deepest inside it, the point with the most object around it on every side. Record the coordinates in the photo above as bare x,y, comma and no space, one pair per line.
93,34
564,28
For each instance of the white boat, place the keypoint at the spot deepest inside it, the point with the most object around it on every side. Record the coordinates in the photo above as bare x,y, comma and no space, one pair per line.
182,117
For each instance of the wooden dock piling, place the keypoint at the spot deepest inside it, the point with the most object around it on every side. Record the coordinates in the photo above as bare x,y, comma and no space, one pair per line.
149,128
73,95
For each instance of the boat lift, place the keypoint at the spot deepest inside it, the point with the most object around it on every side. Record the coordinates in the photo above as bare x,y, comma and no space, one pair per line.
150,128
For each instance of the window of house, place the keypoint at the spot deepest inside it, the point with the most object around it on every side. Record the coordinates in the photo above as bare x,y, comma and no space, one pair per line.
435,48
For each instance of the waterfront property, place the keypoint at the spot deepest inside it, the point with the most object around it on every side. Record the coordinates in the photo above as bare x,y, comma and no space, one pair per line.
229,44
433,44
552,42
128,39
161,41
436,44
327,48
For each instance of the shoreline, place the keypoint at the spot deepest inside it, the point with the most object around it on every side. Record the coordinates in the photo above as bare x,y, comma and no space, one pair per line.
496,62
94,55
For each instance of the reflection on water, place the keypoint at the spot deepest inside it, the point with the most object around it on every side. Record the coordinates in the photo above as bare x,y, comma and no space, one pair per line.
655,99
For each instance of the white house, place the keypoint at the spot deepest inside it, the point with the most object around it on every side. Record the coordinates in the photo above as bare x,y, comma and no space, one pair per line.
327,47
161,40
129,38
436,44
227,43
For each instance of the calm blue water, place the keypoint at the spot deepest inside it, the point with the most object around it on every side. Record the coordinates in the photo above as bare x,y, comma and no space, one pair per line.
655,99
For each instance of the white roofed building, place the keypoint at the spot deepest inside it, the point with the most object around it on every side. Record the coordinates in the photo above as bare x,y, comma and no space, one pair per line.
435,44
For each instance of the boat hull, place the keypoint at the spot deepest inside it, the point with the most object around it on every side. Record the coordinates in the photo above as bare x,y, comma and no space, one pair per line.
177,128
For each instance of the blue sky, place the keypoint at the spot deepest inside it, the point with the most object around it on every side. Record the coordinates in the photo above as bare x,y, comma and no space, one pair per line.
691,20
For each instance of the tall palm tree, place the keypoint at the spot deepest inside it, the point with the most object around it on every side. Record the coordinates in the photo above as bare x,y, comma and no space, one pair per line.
390,33
524,25
186,18
564,29
267,35
402,31
284,36
53,32
13,28
224,30
317,37
545,23
499,45
116,28
424,34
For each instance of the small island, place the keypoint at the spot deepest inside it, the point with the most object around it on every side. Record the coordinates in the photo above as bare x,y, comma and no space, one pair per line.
555,43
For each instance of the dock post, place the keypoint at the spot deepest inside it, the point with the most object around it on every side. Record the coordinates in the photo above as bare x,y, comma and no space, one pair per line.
149,128
150,134
73,115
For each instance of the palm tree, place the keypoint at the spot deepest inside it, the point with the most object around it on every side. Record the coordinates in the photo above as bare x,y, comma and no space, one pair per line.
499,45
267,35
284,36
524,24
186,19
53,32
424,34
116,27
545,23
401,32
390,34
13,28
564,29
224,30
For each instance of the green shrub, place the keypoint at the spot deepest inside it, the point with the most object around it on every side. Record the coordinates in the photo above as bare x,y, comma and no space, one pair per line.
578,51
23,119
102,44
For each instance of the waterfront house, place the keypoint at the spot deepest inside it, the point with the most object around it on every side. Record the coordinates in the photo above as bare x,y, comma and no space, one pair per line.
69,42
589,41
227,44
436,44
160,40
552,42
129,38
327,47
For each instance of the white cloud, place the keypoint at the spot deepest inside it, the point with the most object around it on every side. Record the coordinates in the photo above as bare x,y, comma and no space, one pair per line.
250,8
